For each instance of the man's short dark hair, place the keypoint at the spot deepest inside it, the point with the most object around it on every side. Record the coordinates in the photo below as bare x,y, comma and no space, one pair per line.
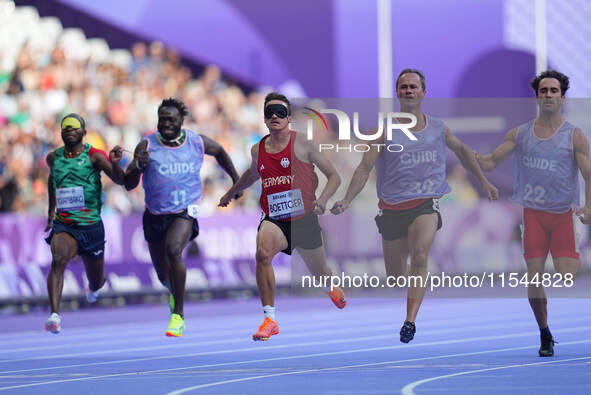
280,97
172,102
563,79
417,72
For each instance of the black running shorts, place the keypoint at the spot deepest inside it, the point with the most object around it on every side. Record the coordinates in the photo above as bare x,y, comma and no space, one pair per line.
304,232
393,224
156,226
90,238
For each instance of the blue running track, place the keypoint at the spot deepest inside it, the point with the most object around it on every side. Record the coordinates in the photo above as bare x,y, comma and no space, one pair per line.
462,346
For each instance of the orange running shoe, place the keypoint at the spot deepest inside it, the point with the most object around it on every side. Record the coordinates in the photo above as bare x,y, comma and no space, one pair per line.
267,329
338,297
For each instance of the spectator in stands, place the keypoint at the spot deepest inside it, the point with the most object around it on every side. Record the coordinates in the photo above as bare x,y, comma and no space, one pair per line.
120,102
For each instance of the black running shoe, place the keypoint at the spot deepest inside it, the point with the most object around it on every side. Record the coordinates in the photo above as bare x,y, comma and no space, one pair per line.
546,347
407,332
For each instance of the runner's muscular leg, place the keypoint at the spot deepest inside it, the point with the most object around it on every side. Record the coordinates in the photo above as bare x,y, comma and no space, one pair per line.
270,241
568,269
177,238
421,234
315,260
396,256
160,262
564,240
95,271
63,248
535,292
564,265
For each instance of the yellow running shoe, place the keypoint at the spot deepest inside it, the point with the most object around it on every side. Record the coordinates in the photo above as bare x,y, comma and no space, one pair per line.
267,329
338,297
176,326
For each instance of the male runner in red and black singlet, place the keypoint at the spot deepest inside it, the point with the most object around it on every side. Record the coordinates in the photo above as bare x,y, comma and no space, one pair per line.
285,163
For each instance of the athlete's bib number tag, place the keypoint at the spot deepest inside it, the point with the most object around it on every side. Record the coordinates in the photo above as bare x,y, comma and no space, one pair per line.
193,210
418,187
70,199
286,204
534,194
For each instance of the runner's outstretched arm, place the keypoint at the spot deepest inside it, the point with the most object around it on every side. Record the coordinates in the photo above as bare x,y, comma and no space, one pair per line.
51,193
360,177
141,156
327,168
248,178
214,149
502,152
581,148
111,166
470,163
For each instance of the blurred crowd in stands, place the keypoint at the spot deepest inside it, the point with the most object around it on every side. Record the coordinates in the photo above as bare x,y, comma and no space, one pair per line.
47,72
119,105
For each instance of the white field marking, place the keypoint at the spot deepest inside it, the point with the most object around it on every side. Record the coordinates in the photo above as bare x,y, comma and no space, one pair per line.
134,328
199,335
102,330
313,355
285,336
74,333
274,347
82,333
157,337
184,344
305,324
98,332
539,387
244,339
314,343
409,388
200,386
363,311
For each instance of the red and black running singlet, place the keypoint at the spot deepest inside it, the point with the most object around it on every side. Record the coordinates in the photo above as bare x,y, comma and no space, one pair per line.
288,184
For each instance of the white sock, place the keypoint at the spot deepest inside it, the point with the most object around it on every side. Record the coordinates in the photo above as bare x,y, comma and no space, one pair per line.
269,312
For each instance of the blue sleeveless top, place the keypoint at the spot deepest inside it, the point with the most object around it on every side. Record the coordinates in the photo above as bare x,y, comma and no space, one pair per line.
418,171
546,173
171,179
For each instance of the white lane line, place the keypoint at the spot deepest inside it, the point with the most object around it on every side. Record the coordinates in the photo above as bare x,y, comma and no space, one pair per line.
77,332
446,342
409,388
331,332
196,387
363,311
290,317
236,331
98,332
306,344
183,344
246,349
371,324
217,383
